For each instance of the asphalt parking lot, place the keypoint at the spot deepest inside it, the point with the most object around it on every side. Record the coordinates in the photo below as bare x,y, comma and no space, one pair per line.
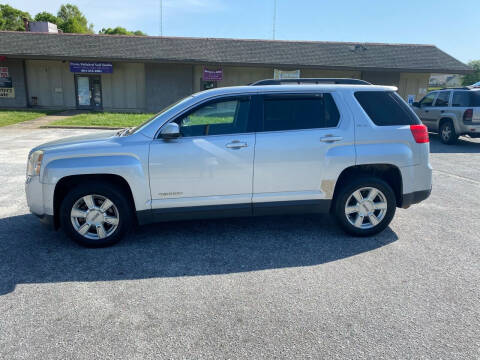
273,287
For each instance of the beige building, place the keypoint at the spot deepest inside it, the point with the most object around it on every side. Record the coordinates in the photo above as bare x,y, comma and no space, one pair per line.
132,73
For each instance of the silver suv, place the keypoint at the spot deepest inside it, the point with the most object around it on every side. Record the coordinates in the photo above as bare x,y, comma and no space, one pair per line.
451,113
355,150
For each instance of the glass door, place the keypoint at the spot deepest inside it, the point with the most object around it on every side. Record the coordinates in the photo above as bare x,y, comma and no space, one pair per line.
89,92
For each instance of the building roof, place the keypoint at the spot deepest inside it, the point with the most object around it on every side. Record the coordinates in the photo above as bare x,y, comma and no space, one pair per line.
315,54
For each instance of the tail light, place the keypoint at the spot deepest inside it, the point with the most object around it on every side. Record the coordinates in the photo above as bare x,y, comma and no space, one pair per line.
468,115
420,133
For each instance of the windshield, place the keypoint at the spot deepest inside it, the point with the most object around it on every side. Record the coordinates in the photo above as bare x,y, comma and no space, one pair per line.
141,126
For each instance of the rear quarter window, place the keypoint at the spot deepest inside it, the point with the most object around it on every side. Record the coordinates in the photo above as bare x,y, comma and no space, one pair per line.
466,98
386,108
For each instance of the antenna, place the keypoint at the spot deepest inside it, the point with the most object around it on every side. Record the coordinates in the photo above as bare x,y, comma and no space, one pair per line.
274,18
161,17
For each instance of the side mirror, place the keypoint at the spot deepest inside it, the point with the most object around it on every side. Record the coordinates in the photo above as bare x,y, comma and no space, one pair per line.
416,104
170,131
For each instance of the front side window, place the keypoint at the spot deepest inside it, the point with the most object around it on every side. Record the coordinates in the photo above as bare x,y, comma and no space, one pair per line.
442,99
216,118
295,112
427,101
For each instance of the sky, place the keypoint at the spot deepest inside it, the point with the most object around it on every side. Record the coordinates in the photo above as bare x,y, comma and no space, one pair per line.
450,25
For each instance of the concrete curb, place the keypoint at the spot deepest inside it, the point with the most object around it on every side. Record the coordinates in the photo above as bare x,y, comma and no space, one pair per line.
80,127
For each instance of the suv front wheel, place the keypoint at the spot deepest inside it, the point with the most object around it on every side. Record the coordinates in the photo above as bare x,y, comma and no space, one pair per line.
365,207
95,214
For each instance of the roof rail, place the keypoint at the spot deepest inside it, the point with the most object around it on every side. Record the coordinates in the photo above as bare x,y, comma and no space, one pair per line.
455,88
343,81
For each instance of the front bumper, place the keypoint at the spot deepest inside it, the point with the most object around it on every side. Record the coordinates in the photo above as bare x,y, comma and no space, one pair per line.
47,220
34,193
40,199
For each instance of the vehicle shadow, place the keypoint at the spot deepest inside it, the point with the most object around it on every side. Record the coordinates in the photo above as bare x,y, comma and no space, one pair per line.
29,253
464,145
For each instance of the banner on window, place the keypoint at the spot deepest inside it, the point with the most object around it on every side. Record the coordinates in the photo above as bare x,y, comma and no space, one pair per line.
3,72
7,93
91,67
212,75
6,82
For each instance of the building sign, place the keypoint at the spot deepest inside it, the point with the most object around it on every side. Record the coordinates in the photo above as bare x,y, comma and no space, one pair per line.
91,67
3,72
7,93
286,74
212,75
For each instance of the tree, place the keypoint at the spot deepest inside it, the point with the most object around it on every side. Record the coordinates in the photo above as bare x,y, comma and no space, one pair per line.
46,16
474,77
120,31
12,19
71,20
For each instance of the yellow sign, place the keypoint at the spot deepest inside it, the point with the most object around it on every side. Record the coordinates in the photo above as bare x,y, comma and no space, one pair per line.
7,93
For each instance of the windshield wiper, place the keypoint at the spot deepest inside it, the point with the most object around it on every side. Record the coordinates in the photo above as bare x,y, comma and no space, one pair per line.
123,132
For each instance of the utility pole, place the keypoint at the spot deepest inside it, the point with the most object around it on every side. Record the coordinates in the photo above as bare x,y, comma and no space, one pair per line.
274,18
161,17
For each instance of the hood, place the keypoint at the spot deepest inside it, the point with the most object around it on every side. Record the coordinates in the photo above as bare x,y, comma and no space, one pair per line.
76,140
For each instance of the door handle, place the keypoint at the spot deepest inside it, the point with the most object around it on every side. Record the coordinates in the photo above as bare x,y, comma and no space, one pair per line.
330,138
235,144
426,110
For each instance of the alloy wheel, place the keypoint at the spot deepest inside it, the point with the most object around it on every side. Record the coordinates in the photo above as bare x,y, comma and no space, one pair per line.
446,132
94,217
366,207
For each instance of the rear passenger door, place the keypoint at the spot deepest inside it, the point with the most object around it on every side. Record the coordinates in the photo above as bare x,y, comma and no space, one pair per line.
303,143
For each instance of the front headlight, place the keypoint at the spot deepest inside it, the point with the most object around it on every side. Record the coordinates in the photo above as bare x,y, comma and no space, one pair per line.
34,163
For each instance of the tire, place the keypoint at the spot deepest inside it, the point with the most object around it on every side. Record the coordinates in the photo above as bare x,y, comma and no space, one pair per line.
382,207
89,202
447,133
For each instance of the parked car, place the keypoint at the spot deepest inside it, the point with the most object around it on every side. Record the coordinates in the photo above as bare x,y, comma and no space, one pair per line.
476,85
451,113
357,151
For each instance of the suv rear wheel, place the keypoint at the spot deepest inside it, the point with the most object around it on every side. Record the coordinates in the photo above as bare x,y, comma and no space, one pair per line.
447,132
95,214
365,207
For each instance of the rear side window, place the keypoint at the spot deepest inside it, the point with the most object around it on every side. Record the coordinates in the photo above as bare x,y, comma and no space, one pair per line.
466,98
461,99
442,98
386,108
294,112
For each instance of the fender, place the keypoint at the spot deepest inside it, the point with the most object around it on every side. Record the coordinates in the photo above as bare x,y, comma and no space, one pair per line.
451,116
125,166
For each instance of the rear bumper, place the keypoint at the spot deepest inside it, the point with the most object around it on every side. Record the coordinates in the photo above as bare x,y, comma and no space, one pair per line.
470,128
414,198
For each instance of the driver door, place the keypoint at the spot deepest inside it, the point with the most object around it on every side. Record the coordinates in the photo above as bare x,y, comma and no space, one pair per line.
425,112
210,164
